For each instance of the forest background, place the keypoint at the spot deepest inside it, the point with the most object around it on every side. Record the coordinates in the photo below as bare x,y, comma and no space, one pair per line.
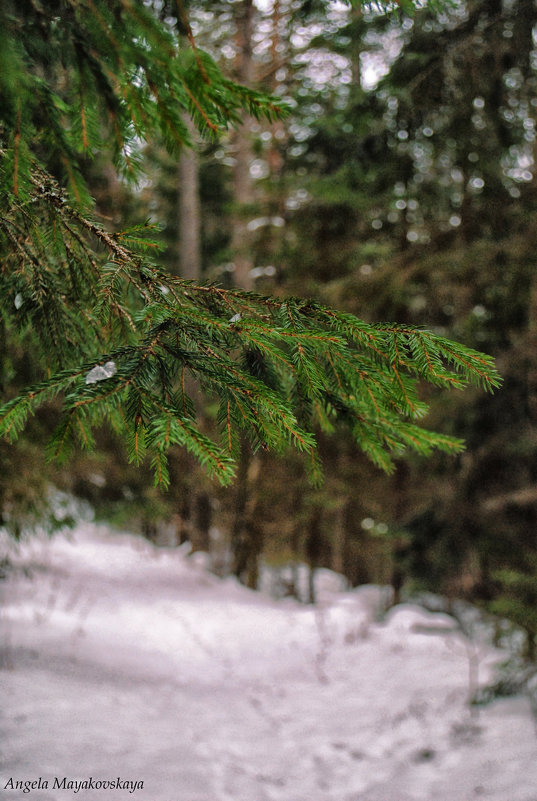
401,186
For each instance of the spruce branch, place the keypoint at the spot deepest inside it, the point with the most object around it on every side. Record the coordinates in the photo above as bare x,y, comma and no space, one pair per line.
97,304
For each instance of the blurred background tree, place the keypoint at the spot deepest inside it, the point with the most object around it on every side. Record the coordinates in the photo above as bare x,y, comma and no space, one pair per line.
402,186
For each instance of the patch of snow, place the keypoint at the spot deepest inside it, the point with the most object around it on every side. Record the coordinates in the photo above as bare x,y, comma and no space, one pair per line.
101,372
121,659
408,617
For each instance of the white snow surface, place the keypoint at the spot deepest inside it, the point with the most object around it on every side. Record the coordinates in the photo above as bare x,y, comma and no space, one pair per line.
124,660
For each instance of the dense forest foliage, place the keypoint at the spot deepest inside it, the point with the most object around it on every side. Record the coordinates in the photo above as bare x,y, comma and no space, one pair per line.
383,166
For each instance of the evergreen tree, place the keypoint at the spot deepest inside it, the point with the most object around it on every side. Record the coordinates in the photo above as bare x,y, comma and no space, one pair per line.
118,338
426,213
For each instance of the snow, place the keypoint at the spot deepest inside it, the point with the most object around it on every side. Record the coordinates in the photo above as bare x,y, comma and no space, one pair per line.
124,660
100,373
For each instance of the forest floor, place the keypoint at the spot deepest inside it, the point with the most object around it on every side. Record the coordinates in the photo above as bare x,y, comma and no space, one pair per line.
124,660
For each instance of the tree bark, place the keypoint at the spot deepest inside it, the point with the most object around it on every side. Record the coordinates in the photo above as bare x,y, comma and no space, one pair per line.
247,533
243,188
189,211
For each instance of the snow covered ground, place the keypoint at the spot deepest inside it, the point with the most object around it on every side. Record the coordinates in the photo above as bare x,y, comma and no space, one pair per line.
122,660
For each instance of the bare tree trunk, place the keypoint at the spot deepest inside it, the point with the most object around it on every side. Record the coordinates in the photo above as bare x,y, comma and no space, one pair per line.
202,521
189,211
313,547
279,44
339,541
243,188
531,351
197,522
398,574
247,534
357,48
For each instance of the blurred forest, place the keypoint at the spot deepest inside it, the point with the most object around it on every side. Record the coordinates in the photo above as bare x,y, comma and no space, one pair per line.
402,187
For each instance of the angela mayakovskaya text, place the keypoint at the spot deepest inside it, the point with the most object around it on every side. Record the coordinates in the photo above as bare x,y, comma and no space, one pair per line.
74,785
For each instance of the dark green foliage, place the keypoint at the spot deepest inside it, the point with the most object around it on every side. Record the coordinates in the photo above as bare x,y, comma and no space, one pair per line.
121,341
76,77
518,601
266,361
444,236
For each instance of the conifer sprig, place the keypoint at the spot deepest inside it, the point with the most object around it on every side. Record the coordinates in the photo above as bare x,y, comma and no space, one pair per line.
92,75
279,369
123,342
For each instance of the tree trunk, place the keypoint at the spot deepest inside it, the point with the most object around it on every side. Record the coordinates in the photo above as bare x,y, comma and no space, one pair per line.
247,533
243,188
531,351
189,211
313,548
339,541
